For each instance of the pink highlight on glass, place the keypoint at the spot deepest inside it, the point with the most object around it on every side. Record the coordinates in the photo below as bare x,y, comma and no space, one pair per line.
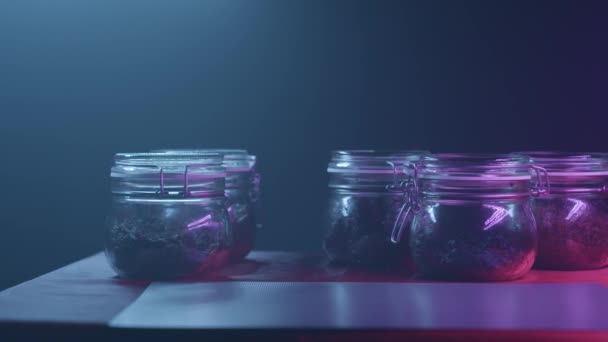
200,223
577,209
499,214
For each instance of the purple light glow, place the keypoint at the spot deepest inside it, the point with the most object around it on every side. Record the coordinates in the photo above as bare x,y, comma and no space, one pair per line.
431,212
200,223
499,214
577,209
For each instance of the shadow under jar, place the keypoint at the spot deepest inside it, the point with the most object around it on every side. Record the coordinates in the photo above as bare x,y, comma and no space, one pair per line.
367,192
472,217
573,219
168,216
242,193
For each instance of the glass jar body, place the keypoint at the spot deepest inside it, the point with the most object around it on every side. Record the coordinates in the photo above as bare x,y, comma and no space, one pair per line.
242,217
573,231
156,238
477,240
255,196
359,230
367,193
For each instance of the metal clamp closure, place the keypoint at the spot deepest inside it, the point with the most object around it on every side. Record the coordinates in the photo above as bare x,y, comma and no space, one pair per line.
186,191
409,188
542,186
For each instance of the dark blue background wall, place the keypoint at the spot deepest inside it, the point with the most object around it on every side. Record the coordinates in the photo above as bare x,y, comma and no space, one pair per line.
289,80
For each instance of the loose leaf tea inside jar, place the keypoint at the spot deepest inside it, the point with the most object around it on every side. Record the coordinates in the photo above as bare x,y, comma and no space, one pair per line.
243,222
472,217
168,217
152,241
573,232
242,193
359,230
364,202
474,241
573,220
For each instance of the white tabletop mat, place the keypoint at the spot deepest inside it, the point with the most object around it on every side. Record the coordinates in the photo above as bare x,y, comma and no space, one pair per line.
367,305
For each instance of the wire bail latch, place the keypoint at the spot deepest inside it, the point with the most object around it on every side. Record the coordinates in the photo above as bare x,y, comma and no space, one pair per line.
409,187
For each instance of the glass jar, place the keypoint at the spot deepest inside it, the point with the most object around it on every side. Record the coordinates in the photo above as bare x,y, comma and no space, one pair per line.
168,215
256,190
364,201
573,219
242,192
472,217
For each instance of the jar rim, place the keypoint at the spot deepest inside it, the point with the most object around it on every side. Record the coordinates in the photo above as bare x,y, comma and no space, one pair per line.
372,161
234,160
570,164
167,175
166,160
475,167
253,160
